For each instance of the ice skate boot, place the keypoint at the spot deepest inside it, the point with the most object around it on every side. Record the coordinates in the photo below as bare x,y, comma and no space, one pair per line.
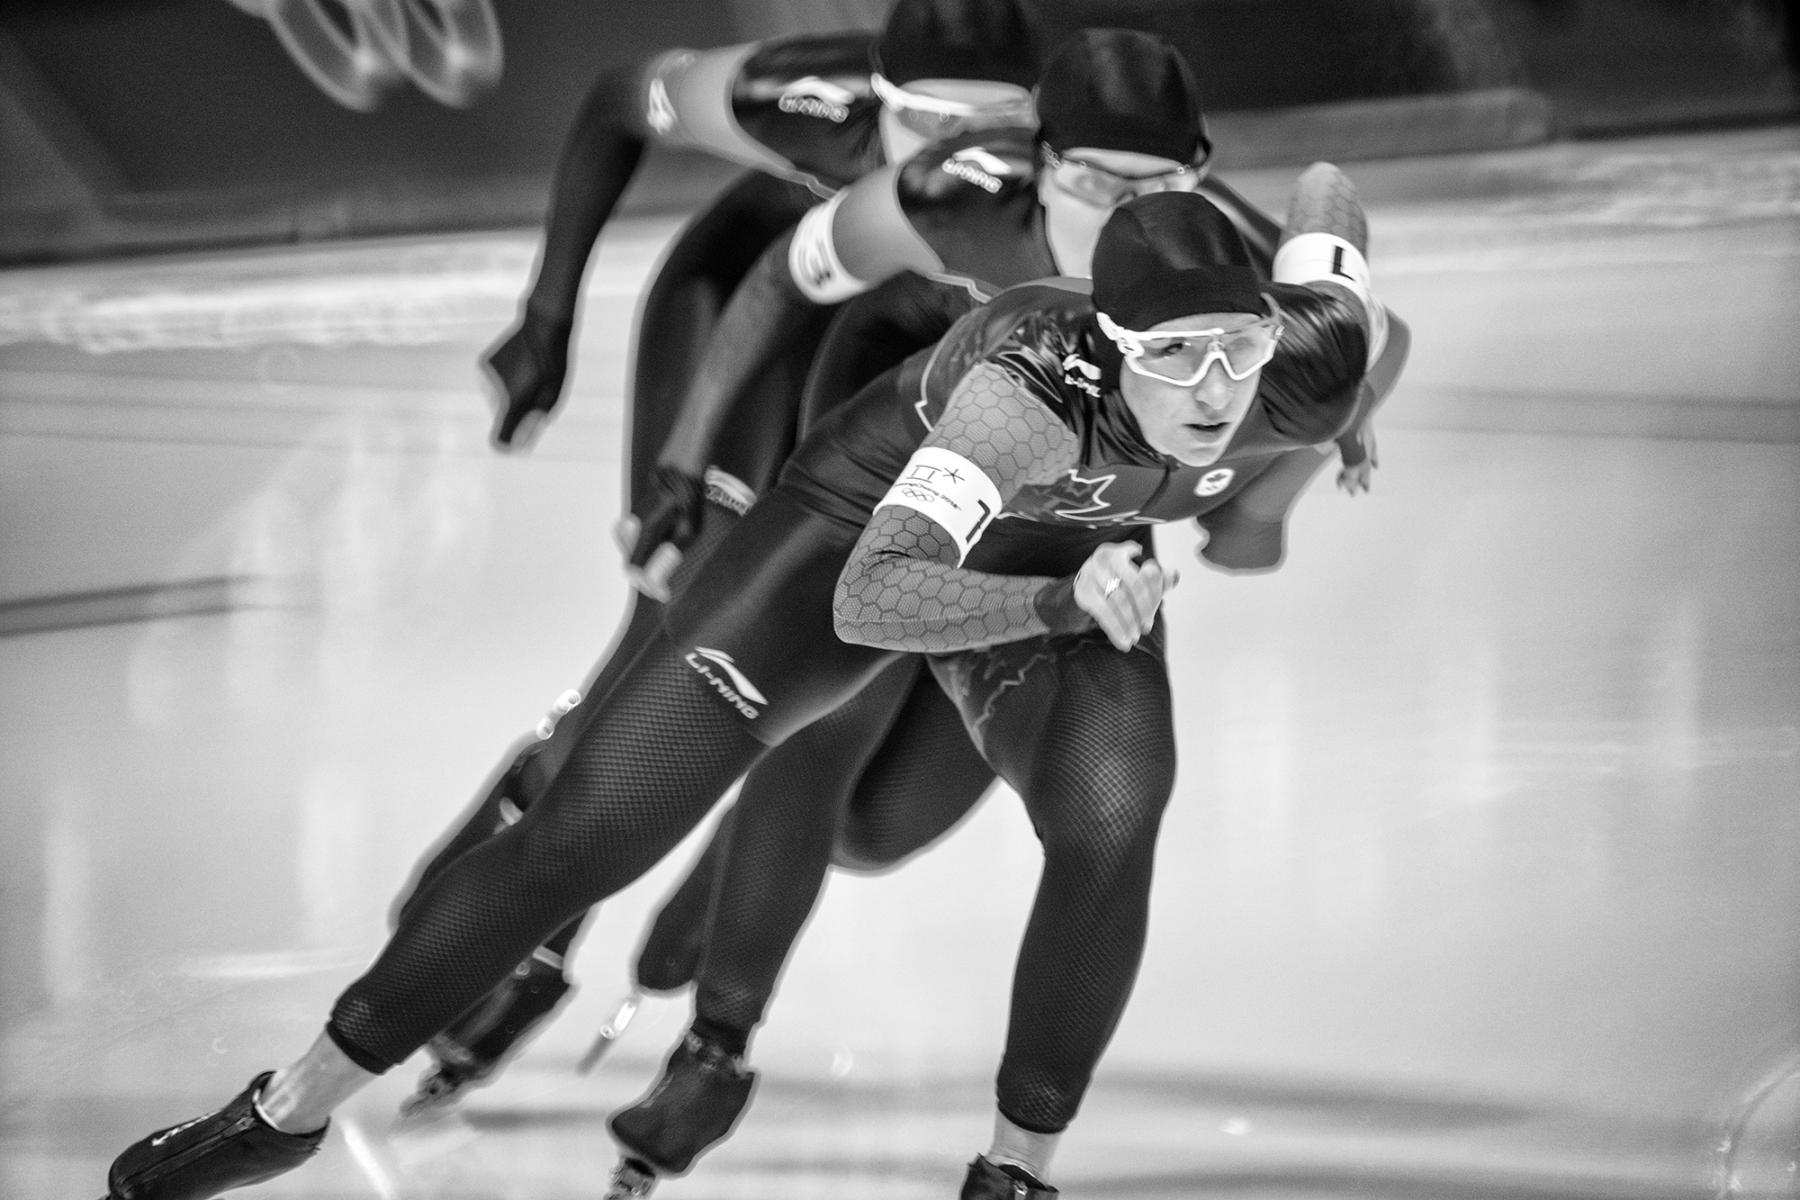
196,1160
471,1049
986,1181
702,1093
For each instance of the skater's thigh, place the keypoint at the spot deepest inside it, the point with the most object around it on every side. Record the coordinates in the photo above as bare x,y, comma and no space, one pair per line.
756,625
923,779
561,730
818,769
1082,731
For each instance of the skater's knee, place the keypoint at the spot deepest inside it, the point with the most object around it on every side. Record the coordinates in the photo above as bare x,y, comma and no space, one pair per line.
1103,814
865,849
845,858
527,780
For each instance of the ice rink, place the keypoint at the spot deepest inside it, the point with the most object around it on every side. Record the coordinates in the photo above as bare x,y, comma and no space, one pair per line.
1482,878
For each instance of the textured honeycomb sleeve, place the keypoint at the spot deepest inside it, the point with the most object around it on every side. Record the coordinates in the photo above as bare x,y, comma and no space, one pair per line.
903,587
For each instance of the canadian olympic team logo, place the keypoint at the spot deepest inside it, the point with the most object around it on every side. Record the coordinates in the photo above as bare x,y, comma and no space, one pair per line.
1214,482
357,51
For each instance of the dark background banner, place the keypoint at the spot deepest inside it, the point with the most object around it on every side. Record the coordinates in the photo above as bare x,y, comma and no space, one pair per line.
146,124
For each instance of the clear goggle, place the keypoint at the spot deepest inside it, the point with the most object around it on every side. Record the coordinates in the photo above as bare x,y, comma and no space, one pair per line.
1183,356
938,108
1102,187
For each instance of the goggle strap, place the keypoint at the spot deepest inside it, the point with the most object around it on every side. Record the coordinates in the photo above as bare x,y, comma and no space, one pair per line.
1198,169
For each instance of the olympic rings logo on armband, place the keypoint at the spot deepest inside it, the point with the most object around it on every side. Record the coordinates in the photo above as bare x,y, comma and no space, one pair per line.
357,51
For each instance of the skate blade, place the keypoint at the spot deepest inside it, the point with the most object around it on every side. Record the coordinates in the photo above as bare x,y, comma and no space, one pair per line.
609,1033
436,1094
632,1179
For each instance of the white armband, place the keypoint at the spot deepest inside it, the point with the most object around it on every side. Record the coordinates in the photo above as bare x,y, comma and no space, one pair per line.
813,258
1312,257
1328,258
953,492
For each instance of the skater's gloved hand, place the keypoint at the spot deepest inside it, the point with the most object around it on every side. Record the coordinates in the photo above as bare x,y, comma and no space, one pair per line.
1121,593
660,528
1357,449
528,367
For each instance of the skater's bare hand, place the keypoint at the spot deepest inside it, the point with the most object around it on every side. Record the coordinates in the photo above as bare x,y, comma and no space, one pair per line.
651,577
1357,473
1121,593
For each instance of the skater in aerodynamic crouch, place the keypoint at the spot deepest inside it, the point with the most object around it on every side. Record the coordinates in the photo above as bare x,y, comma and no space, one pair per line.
984,503
730,926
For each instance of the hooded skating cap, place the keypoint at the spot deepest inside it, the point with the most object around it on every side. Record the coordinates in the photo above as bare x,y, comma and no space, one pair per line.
1119,89
1172,254
956,39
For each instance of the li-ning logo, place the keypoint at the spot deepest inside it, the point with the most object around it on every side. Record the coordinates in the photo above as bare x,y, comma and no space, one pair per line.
728,491
814,97
975,165
737,690
1214,482
1082,373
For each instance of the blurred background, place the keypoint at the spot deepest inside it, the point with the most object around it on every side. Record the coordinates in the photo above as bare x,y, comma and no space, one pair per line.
144,124
1482,881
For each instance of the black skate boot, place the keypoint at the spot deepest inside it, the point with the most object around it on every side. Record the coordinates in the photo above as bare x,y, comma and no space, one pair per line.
471,1049
196,1160
989,1182
702,1093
